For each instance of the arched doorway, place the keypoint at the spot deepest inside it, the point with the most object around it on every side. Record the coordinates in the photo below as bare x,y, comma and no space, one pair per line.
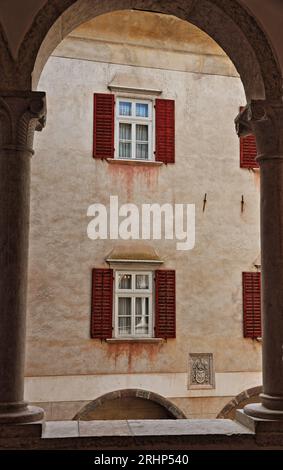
129,404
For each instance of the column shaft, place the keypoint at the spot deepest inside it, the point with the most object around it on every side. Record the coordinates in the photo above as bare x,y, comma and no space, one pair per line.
271,173
265,120
14,226
20,114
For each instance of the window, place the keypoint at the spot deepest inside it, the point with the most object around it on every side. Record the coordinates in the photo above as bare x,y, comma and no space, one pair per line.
133,129
125,305
133,304
251,305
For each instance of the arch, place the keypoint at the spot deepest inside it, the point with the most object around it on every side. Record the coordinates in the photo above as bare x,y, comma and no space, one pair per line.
153,405
226,21
244,398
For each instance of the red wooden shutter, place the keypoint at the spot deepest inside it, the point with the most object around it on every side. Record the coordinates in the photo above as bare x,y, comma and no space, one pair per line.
102,303
252,305
165,131
103,126
248,151
165,304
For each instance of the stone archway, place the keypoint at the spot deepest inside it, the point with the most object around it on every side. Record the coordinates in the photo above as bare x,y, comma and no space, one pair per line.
244,398
226,21
130,404
23,111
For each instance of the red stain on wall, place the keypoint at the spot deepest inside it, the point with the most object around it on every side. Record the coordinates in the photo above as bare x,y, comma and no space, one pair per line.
132,353
130,178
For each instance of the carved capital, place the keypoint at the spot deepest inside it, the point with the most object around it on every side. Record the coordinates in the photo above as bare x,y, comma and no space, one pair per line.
21,113
264,119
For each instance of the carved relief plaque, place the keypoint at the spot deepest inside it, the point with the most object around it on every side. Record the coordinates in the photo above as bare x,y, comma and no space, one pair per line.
201,371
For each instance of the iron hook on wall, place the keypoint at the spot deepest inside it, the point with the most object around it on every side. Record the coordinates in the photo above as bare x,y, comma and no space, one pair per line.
242,204
204,202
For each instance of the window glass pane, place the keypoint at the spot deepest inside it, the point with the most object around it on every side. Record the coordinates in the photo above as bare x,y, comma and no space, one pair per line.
125,281
125,150
142,152
124,326
142,109
142,133
125,137
125,131
142,281
142,316
124,306
124,315
142,142
125,108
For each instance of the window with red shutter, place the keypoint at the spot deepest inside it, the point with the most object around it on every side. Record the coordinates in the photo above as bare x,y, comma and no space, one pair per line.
251,305
103,126
165,131
165,304
102,303
248,151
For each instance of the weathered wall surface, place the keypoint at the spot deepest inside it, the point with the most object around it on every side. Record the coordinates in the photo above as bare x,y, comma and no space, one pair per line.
136,38
66,180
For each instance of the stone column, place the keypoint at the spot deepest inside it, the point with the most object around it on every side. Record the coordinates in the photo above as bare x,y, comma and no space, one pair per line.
21,113
265,120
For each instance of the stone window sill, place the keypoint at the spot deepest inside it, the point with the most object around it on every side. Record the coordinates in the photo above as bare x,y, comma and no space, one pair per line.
135,340
133,162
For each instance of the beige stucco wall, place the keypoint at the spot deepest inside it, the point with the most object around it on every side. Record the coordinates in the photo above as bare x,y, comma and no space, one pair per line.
66,180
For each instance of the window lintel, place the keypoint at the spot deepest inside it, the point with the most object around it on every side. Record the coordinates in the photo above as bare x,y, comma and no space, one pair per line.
134,90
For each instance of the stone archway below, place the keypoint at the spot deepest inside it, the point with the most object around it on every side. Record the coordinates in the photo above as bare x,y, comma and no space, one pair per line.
129,404
244,398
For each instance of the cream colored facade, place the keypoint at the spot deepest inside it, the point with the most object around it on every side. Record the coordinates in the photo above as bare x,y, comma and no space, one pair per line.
65,367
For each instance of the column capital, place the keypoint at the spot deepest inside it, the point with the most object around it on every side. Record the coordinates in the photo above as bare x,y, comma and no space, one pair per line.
21,113
264,119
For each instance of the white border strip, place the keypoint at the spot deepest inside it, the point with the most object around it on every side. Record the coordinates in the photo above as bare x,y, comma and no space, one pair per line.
89,387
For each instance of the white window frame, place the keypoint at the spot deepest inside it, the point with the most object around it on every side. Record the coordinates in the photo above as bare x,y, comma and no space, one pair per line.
134,120
133,293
